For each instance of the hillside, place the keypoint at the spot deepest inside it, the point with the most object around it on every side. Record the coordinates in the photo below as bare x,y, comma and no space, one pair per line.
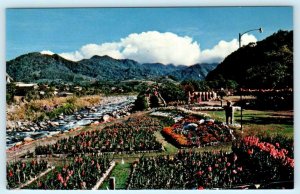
36,67
196,72
269,64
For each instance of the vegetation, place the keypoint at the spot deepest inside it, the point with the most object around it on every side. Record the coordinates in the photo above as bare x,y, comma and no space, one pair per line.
269,64
20,172
263,153
135,134
10,92
51,108
82,173
258,163
140,103
190,132
261,123
121,172
36,67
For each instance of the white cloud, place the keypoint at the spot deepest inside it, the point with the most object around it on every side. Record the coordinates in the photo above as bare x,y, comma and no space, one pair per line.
161,47
145,47
153,46
223,49
47,52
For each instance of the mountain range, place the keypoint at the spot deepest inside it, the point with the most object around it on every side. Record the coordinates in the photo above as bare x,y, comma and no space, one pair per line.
37,67
265,64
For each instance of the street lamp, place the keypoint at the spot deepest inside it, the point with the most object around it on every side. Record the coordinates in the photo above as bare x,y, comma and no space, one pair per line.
240,41
241,34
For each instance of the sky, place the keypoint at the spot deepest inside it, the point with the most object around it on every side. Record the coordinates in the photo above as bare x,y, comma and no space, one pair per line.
181,36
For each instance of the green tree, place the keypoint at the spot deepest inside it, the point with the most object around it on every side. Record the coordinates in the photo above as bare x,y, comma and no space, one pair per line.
154,102
140,103
172,92
10,92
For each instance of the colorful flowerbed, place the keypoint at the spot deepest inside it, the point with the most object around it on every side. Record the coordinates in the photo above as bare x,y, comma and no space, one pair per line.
82,173
192,131
251,162
268,160
20,172
136,134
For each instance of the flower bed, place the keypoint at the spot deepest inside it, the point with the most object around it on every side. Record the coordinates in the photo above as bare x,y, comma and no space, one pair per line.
82,173
19,172
281,142
239,169
188,170
251,146
184,110
191,131
136,134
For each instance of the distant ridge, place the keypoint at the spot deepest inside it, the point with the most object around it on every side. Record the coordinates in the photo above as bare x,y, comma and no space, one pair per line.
37,67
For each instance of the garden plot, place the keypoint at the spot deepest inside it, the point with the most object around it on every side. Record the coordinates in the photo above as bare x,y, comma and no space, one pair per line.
19,173
134,135
85,172
253,163
191,131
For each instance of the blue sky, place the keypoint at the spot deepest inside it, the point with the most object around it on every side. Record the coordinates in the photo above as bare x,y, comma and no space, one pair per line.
68,30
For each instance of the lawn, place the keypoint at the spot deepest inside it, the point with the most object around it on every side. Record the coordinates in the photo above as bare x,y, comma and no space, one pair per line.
121,172
257,122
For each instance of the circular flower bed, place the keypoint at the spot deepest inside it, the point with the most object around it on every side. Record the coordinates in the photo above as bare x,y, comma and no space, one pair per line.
192,131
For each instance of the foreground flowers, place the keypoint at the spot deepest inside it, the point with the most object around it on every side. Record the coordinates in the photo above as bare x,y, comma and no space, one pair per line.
251,162
82,173
20,172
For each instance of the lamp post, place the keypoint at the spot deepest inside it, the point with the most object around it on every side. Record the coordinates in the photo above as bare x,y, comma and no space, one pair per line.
240,41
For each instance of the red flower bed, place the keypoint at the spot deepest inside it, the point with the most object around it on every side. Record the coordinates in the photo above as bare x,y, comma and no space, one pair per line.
178,138
274,150
250,162
82,173
20,172
135,134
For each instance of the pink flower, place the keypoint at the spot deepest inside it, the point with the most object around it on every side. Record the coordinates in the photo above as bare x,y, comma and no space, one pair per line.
209,169
228,164
250,152
235,157
199,173
240,168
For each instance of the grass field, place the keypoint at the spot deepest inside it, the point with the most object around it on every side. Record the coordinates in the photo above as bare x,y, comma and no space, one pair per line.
121,172
257,122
